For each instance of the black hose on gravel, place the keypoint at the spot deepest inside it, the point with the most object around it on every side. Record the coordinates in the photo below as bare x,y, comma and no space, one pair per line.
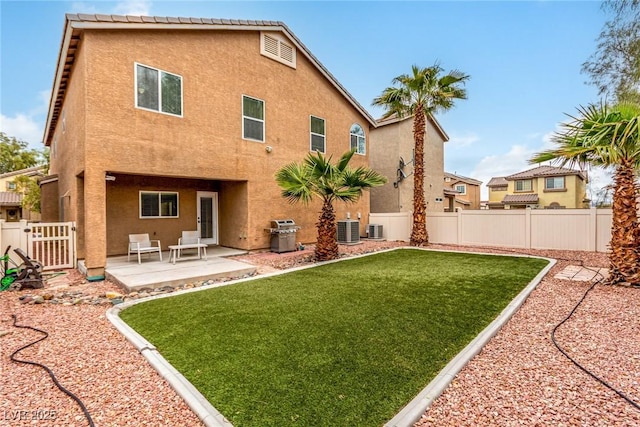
49,371
585,370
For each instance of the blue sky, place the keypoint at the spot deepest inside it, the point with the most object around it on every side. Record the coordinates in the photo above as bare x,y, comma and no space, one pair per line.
524,59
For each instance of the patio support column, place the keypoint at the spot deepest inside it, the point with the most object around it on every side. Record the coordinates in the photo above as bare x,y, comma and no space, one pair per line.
95,225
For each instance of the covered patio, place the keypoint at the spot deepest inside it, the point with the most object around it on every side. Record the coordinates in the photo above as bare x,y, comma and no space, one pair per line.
152,273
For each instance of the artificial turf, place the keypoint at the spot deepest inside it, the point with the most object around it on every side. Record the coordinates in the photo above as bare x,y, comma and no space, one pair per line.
343,344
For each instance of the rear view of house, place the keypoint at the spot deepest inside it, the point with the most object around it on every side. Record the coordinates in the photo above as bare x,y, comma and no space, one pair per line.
159,125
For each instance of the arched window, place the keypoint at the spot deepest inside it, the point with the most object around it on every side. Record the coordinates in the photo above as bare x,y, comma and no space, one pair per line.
358,139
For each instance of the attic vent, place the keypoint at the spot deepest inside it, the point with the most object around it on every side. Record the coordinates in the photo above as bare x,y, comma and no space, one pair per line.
270,45
277,47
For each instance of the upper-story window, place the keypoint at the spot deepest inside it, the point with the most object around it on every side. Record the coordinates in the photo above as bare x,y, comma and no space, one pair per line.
461,188
554,183
11,185
523,185
358,139
158,90
317,134
252,119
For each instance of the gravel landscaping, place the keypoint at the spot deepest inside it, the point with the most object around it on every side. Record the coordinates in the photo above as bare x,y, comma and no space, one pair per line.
519,378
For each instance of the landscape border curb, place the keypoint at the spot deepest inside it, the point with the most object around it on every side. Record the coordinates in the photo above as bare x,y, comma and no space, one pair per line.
407,416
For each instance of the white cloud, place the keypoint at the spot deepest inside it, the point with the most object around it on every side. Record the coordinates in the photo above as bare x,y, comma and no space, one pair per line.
28,126
23,127
459,141
516,160
133,7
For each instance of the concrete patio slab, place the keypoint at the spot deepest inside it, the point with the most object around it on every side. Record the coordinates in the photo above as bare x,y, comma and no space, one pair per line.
153,273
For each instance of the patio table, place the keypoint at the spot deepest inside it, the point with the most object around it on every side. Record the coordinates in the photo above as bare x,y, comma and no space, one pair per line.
175,249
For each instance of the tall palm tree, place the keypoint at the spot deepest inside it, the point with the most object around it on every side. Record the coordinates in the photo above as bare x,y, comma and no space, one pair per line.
317,176
423,92
609,137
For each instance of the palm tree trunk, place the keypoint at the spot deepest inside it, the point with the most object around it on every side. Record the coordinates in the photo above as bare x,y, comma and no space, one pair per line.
327,245
624,258
419,234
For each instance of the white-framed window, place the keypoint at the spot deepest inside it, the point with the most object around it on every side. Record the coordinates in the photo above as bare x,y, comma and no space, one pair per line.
358,139
278,48
158,90
318,132
461,188
252,118
523,185
554,183
158,204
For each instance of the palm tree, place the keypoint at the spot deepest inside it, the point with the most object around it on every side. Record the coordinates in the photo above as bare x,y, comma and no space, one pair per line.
608,137
317,176
419,94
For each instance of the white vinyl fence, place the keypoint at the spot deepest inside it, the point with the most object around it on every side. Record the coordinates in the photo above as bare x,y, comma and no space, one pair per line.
52,244
564,229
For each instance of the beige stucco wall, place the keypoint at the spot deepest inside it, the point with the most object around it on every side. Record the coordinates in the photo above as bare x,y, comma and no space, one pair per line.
571,198
472,194
217,68
395,140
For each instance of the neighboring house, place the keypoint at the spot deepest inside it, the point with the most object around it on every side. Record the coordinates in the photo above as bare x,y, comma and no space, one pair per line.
392,155
159,125
461,192
11,201
545,187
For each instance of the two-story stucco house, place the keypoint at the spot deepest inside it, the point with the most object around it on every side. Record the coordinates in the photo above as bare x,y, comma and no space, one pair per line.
158,125
391,154
461,192
545,187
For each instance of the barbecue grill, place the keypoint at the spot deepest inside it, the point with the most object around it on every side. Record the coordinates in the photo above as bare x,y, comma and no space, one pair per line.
283,235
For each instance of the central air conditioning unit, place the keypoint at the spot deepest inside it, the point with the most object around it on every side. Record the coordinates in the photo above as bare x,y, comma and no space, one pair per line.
374,231
348,231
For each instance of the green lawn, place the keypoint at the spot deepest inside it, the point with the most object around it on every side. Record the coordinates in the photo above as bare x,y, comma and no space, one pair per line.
344,344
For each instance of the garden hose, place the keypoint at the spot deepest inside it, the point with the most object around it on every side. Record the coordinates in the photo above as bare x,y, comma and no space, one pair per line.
53,377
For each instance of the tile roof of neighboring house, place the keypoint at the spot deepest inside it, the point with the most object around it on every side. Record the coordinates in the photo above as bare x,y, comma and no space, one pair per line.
517,199
34,170
394,118
498,181
463,202
9,198
76,23
545,171
462,178
450,192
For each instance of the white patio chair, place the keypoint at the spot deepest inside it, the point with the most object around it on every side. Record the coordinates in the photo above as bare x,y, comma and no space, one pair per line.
188,238
141,244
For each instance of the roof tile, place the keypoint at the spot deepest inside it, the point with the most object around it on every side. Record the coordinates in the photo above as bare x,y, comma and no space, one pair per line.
513,199
9,198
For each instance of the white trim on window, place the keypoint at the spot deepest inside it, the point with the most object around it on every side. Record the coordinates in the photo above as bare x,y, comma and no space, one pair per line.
524,183
277,47
318,135
159,206
254,119
463,187
358,134
555,179
159,89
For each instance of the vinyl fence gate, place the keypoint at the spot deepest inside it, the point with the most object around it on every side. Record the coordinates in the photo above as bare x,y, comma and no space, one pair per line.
52,243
